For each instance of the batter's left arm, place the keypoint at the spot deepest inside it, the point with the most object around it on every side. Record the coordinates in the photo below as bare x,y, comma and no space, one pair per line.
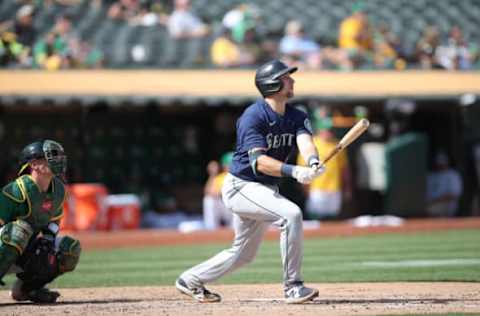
307,149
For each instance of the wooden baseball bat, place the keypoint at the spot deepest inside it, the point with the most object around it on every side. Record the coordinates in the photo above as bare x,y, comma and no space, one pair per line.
358,129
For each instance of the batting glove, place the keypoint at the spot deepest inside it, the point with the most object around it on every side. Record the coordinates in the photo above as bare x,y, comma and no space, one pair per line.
304,175
319,170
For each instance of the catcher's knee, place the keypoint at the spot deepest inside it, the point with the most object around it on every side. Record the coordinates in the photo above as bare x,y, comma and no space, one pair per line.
68,254
16,234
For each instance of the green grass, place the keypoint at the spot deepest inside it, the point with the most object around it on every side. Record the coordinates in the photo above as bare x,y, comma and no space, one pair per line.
325,260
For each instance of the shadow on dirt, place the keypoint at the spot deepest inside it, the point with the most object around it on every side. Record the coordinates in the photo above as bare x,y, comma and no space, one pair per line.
371,301
81,302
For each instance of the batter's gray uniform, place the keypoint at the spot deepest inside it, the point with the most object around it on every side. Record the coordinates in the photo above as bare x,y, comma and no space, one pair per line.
254,198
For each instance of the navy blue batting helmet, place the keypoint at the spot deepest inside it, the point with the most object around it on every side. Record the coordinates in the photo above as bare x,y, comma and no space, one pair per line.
267,78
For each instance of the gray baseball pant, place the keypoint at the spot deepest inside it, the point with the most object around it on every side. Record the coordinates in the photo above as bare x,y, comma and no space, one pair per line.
255,206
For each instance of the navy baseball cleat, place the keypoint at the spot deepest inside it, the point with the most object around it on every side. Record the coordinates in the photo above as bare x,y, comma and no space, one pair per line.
200,294
298,294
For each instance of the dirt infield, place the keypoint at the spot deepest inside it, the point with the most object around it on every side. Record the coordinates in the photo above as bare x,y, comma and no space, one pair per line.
261,299
335,299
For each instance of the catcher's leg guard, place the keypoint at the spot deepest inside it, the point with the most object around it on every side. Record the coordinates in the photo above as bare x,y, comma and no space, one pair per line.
14,238
68,253
8,255
42,263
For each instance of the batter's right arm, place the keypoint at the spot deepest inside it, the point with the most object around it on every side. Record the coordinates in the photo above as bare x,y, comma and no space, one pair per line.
269,166
273,167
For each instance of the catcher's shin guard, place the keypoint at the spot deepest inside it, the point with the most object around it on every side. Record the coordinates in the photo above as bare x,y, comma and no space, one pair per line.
14,237
8,255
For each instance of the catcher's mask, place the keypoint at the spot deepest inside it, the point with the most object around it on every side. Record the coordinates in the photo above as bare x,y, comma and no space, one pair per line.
47,149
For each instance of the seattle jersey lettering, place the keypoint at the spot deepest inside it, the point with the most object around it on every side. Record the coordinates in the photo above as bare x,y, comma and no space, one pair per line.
277,141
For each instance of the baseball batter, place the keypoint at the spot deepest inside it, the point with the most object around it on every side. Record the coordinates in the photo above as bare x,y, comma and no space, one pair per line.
267,133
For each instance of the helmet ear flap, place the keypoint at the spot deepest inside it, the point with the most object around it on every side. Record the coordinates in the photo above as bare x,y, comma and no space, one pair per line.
270,86
280,84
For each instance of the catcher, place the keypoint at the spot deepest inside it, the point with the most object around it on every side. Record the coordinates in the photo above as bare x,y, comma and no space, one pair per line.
30,211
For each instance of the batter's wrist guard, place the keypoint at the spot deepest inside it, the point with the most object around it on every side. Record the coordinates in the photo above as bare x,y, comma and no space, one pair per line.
313,160
287,170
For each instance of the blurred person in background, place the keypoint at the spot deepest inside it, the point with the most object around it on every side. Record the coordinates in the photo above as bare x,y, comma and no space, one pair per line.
356,36
240,20
444,187
398,114
456,53
134,12
183,23
124,10
61,49
387,49
297,49
325,194
425,51
17,38
150,14
23,26
226,53
215,214
13,53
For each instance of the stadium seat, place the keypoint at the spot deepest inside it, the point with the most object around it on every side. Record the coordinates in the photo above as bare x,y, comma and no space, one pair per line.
151,46
8,9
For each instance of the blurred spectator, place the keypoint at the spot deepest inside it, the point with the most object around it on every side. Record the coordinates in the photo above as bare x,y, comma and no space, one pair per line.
226,53
444,187
23,26
456,53
150,15
325,193
398,113
426,48
60,49
356,36
240,20
124,10
296,48
184,24
17,38
387,49
244,23
215,214
12,53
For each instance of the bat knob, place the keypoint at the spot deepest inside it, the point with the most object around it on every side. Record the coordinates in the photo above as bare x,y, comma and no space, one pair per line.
365,123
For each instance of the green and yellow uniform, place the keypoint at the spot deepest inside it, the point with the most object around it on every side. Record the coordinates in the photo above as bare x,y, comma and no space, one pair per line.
22,199
25,211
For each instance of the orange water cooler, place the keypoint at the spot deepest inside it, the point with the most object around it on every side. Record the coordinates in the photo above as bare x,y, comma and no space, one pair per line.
85,207
123,211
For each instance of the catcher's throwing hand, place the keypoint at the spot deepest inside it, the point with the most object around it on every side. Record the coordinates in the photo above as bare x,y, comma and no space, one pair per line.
305,175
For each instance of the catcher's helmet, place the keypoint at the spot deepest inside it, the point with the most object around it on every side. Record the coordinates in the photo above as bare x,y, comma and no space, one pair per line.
267,78
47,149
